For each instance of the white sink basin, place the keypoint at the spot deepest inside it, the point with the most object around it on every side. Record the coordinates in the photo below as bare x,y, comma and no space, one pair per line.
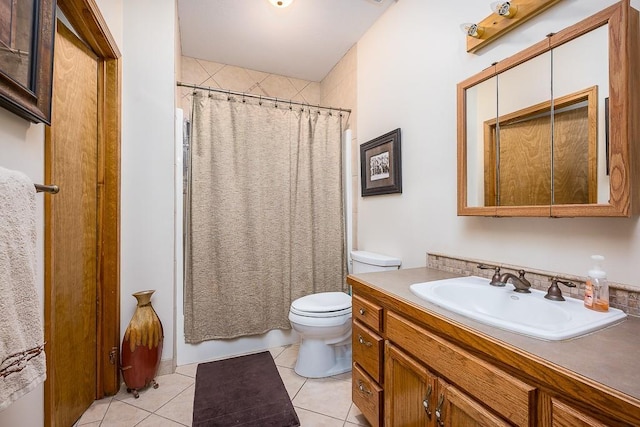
527,314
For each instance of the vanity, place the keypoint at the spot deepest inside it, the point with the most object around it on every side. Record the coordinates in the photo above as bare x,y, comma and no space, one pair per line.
417,364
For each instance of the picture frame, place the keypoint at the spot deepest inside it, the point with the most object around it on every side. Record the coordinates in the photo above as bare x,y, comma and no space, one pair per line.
380,165
26,58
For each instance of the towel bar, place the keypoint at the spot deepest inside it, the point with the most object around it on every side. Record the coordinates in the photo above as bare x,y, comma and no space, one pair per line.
52,189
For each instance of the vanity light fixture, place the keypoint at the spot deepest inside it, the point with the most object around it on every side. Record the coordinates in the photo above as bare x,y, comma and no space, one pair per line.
472,30
280,4
504,8
505,16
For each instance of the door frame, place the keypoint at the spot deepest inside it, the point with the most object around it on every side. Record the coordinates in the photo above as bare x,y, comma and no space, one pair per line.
86,19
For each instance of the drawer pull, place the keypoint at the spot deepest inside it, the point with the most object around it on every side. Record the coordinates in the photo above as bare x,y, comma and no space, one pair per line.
439,410
363,342
362,311
425,402
363,389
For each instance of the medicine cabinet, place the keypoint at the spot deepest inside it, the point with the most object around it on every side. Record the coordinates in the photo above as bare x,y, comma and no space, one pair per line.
552,130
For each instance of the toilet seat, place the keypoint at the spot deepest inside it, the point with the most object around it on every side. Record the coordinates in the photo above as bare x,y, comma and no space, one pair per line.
321,305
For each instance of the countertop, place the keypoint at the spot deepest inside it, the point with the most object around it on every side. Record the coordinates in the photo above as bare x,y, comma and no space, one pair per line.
609,356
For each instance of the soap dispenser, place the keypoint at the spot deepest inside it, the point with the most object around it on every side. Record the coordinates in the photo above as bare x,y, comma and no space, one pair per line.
596,293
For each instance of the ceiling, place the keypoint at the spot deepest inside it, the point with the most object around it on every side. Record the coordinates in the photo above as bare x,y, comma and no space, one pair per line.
304,40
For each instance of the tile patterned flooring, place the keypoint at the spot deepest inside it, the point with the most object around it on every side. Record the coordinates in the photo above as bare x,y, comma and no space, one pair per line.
324,402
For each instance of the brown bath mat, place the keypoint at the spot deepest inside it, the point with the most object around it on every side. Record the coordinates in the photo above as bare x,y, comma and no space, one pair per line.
242,391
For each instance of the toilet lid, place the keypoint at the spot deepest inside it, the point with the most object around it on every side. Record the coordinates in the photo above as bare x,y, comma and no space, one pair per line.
324,302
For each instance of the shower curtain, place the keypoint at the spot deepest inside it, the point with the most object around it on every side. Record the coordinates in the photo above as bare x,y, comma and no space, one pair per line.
266,213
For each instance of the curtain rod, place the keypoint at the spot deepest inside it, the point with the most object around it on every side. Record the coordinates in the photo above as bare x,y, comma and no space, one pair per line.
267,98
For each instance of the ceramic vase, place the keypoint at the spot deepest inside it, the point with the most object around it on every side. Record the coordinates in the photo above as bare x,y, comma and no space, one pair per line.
142,345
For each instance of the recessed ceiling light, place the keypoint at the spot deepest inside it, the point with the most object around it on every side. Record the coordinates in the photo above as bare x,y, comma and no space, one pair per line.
281,3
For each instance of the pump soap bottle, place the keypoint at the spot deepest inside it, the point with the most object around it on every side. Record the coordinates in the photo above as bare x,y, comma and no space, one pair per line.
596,293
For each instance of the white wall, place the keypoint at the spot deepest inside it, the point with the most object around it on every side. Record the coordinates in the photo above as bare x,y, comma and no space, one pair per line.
408,66
22,148
147,193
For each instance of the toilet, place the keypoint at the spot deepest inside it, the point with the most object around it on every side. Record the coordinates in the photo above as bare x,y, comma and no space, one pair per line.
323,321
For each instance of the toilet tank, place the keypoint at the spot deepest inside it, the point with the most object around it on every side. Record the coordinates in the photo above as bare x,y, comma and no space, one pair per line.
365,262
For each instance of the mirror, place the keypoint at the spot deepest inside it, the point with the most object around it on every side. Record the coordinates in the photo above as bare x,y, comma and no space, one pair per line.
587,52
534,135
523,140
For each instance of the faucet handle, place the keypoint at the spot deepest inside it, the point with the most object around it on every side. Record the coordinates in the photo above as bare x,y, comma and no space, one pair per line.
554,293
495,279
521,274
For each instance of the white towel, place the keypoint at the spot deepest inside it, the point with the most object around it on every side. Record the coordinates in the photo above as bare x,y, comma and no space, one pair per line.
22,359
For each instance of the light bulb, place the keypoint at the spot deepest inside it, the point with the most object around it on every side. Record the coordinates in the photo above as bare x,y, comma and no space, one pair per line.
281,3
472,30
504,8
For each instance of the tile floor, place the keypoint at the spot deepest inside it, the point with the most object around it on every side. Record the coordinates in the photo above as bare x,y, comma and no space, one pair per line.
324,402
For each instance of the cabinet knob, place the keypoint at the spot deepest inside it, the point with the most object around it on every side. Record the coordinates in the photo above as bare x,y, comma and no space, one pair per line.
439,410
363,389
425,402
363,342
362,311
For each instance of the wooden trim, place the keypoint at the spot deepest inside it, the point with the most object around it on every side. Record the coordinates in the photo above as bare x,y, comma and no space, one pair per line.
86,19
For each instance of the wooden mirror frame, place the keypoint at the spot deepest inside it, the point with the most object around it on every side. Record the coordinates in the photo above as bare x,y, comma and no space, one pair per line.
624,107
34,102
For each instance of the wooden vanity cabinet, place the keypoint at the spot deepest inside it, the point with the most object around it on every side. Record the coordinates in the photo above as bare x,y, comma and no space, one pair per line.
467,388
392,389
418,359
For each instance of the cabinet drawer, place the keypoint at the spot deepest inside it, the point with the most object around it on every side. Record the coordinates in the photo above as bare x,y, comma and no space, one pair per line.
367,350
367,312
505,394
367,396
565,415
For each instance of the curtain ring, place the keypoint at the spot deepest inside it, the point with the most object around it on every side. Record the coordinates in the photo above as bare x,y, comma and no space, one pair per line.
260,101
276,104
243,100
209,94
330,114
229,95
290,107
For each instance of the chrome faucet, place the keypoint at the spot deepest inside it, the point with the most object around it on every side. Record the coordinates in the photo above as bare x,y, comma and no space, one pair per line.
520,283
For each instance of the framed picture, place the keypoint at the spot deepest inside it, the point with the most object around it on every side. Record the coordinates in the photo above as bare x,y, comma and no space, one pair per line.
26,57
380,165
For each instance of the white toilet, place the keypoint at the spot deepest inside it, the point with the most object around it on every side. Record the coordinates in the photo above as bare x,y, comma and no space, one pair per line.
323,321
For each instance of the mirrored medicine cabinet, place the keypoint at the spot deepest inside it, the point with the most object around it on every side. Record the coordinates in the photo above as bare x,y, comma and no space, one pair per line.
552,130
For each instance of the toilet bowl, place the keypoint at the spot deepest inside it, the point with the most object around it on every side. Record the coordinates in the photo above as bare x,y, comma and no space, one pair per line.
323,321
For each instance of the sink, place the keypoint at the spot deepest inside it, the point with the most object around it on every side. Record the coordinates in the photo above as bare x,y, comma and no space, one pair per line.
527,314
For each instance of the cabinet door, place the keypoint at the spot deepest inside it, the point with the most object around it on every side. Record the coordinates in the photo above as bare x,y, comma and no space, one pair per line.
409,391
456,409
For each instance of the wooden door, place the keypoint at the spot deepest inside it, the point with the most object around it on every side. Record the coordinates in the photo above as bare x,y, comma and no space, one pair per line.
410,391
71,151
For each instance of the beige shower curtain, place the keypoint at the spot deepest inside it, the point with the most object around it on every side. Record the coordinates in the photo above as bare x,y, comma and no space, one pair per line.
266,214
